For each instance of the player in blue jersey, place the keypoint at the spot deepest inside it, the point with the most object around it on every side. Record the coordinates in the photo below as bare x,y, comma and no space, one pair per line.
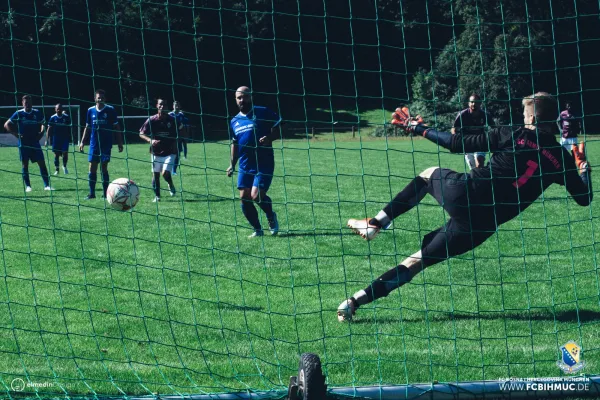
252,131
59,136
183,131
27,125
102,121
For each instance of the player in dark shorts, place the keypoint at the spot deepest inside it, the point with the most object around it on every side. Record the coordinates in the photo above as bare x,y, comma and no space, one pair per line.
525,161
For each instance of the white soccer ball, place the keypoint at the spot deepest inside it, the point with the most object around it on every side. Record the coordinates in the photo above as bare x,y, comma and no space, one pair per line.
122,194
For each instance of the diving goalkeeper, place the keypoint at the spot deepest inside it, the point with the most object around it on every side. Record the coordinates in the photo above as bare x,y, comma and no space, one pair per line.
525,161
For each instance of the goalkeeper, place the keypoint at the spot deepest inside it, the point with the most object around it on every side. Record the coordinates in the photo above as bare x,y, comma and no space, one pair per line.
525,161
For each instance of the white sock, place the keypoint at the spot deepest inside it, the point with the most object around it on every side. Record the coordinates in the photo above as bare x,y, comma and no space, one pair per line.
383,219
361,297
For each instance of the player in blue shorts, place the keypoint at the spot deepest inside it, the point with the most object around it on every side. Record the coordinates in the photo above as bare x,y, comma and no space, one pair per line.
102,121
59,136
27,125
252,131
182,129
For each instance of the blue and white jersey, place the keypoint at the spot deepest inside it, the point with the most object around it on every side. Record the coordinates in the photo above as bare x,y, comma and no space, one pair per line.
246,130
29,126
181,119
61,126
102,123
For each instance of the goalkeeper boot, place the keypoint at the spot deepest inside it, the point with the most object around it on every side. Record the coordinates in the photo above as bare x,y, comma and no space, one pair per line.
363,228
346,310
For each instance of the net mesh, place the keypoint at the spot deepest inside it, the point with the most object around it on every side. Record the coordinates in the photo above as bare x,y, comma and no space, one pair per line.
173,298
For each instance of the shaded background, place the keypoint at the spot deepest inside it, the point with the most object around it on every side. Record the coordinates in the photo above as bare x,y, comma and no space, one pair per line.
302,57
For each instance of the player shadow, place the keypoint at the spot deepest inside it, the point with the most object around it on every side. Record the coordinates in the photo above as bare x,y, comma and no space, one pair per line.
316,233
313,234
538,315
209,199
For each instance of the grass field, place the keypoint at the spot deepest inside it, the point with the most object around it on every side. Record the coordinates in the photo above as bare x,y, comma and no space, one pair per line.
173,297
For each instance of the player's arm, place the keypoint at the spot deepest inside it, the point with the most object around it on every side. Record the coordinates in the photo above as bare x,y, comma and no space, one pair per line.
144,134
233,158
42,131
274,133
559,124
579,186
10,125
84,137
459,142
11,128
50,134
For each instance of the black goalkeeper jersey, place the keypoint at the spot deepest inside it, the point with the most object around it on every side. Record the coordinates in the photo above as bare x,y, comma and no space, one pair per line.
523,164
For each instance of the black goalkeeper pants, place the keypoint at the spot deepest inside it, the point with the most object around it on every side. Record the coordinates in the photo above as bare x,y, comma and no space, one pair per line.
468,226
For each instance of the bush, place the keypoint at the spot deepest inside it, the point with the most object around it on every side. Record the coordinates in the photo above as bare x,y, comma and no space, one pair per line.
387,130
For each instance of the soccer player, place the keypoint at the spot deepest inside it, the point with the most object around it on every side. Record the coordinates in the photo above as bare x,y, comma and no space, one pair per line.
253,130
59,136
569,124
101,120
525,161
183,129
27,125
472,120
160,131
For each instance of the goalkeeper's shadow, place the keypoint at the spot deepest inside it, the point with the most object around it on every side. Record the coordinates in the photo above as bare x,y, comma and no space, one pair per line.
573,316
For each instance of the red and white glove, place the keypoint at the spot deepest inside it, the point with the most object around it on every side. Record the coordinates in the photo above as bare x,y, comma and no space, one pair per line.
580,158
404,120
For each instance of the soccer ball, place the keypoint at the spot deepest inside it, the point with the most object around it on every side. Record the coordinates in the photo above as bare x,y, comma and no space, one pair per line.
122,194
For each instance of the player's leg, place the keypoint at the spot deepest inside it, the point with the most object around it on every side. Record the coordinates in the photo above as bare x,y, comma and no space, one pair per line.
57,154
92,177
24,157
479,160
156,185
177,158
455,238
65,159
43,170
105,176
184,145
25,172
260,186
245,181
156,167
470,160
166,174
404,201
167,170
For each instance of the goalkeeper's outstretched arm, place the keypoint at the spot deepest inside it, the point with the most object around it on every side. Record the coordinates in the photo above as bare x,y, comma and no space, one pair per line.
459,142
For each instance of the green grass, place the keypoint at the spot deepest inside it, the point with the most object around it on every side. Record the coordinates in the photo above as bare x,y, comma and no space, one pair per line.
173,298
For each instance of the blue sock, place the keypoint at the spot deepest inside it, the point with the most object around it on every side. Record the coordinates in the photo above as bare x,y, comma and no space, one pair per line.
56,163
105,182
176,163
267,206
25,173
251,214
92,180
45,177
